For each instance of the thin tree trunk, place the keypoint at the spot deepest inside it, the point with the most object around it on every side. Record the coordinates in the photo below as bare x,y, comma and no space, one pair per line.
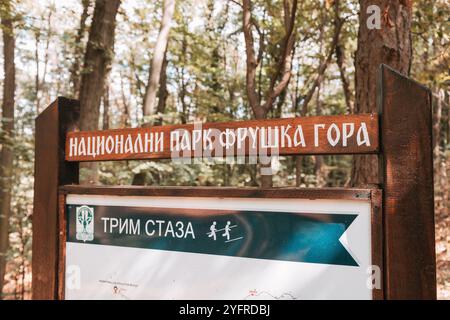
22,252
158,58
38,81
97,59
184,106
295,103
439,163
318,160
126,113
46,58
279,79
106,103
134,71
78,54
437,113
298,171
340,61
6,154
37,37
183,85
390,45
316,83
323,66
162,92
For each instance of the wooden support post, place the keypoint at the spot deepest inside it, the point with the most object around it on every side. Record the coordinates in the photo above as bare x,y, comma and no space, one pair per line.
407,175
51,171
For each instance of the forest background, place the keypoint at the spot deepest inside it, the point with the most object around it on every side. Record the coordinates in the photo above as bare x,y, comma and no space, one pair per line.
145,62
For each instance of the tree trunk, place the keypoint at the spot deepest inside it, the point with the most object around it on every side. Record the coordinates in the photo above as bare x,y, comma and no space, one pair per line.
162,92
183,85
37,37
105,125
391,45
282,73
439,162
97,59
319,76
6,154
158,58
40,89
340,61
437,118
298,171
78,54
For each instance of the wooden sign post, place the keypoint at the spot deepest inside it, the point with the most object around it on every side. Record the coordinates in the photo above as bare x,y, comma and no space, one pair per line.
51,171
398,237
407,180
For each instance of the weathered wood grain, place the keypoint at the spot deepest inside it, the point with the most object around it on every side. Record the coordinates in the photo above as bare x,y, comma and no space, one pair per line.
51,171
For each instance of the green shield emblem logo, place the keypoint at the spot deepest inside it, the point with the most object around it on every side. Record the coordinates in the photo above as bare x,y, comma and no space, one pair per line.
85,223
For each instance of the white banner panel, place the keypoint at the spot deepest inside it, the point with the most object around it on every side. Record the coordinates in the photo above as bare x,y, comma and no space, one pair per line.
125,247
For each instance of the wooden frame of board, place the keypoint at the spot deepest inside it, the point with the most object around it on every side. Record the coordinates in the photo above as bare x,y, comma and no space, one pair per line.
402,202
372,195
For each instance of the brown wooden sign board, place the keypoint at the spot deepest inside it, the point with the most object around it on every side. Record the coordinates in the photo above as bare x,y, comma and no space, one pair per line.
348,134
400,136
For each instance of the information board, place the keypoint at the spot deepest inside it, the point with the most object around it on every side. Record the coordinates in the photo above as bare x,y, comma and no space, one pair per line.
139,247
